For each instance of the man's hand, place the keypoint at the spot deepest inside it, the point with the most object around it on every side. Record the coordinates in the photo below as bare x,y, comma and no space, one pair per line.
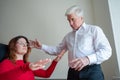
35,44
79,63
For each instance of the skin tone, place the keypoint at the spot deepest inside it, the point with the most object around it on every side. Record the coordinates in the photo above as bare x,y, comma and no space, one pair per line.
21,50
75,23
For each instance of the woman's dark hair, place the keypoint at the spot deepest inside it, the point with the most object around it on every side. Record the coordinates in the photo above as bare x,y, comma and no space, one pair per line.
12,49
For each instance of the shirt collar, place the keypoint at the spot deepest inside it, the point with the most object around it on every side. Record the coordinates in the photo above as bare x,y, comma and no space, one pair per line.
82,27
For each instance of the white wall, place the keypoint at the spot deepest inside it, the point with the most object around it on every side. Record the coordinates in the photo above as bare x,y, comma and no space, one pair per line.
45,20
41,19
114,6
103,19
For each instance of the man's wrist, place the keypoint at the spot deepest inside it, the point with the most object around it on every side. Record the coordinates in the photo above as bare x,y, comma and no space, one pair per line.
88,61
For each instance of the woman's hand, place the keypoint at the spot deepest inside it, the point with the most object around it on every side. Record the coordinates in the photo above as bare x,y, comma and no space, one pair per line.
39,64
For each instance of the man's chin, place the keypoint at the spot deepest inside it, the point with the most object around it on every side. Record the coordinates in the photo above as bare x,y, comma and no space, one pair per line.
75,29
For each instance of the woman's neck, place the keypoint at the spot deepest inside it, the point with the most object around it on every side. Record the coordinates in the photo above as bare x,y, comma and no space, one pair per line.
19,57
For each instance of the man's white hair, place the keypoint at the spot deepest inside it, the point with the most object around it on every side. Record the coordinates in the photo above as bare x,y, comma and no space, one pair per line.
74,9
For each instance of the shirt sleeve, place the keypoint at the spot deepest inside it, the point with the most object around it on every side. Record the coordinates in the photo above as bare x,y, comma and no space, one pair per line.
50,49
54,50
45,73
8,73
102,47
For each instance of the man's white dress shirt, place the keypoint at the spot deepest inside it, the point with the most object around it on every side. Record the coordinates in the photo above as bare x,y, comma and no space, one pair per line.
88,41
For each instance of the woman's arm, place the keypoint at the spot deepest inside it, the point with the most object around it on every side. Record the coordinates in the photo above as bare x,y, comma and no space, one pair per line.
47,73
9,73
8,70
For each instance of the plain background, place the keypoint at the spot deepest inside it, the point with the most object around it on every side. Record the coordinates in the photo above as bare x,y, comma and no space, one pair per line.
45,20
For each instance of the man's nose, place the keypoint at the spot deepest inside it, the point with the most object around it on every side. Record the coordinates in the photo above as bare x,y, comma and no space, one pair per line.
71,22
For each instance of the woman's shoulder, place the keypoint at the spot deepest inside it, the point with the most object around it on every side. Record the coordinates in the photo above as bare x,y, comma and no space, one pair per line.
6,65
5,61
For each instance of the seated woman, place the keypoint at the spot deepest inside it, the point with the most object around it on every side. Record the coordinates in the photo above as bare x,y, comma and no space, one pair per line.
17,67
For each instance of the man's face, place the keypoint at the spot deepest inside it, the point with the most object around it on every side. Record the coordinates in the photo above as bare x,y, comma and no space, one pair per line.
75,21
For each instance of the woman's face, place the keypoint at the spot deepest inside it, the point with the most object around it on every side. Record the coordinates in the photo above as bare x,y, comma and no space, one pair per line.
21,46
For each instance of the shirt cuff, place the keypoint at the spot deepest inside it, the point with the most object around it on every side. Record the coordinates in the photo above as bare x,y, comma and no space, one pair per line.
92,58
43,47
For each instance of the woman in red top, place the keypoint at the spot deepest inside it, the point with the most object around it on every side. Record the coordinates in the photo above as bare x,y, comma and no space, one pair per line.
17,67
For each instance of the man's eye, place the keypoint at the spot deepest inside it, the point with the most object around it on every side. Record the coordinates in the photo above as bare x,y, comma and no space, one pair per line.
72,19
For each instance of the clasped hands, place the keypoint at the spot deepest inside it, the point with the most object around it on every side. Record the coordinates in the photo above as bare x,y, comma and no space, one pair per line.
79,63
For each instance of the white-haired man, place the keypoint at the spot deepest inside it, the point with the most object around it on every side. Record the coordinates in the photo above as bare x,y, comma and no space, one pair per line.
87,47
